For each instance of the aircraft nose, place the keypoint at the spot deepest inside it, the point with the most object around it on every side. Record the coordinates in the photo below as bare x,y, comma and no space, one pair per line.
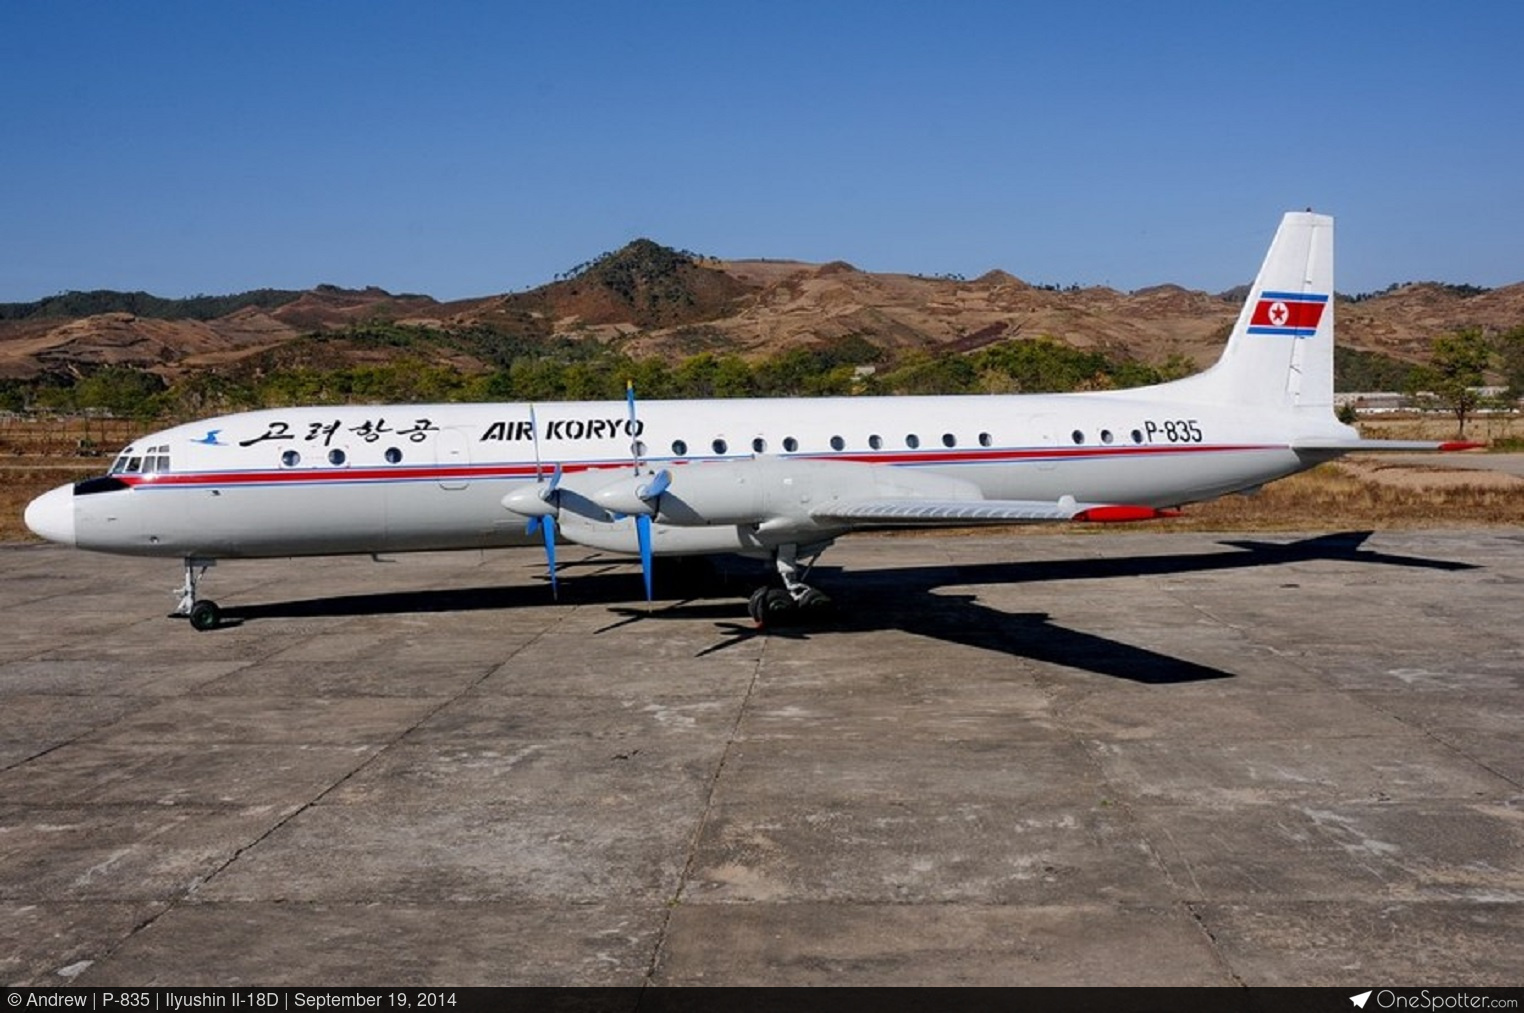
51,515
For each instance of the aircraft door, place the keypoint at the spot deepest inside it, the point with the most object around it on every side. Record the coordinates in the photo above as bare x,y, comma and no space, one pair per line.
1042,429
452,453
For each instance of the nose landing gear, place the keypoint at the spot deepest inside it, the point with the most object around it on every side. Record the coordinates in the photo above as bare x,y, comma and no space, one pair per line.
203,613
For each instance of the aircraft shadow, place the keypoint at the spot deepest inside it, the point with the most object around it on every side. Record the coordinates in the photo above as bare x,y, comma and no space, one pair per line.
899,598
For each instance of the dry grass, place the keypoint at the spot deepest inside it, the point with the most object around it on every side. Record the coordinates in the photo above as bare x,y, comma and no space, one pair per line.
1403,426
1363,494
21,482
38,454
58,439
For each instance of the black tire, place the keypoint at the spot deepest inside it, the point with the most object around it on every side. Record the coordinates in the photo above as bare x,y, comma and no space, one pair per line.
777,603
815,601
205,615
756,606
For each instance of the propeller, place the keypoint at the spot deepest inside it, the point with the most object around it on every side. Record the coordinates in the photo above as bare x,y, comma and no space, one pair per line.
643,538
648,494
629,399
545,522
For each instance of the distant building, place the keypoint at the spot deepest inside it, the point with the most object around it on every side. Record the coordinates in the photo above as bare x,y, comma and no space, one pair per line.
1381,402
1372,402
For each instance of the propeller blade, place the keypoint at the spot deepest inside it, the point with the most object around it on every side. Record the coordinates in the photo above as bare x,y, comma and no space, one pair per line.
534,430
643,536
654,488
548,490
548,528
629,397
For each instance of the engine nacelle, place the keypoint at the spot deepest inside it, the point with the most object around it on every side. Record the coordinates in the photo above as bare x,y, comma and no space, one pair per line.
530,500
634,496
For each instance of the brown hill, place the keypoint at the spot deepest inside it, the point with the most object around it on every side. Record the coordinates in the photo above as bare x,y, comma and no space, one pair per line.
1402,321
656,301
47,344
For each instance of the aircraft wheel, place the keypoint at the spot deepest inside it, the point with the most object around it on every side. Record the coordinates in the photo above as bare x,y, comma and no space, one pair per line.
205,615
815,602
769,605
777,602
756,606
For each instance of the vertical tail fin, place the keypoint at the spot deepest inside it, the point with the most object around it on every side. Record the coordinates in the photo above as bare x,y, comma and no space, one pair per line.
1280,354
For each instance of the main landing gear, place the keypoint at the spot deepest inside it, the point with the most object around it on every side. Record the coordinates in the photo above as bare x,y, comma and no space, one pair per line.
795,602
203,613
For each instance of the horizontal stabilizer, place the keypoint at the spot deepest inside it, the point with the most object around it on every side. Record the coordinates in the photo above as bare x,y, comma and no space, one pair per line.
987,511
1339,446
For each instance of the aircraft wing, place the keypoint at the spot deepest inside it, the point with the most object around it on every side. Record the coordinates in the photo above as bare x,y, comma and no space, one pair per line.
915,512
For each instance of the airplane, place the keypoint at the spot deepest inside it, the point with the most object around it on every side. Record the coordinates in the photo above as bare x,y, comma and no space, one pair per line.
780,479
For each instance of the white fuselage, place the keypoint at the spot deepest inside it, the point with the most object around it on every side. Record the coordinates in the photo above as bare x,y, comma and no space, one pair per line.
358,479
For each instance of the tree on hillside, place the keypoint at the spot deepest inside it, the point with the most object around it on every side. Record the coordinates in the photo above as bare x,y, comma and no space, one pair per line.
123,391
1510,347
1456,367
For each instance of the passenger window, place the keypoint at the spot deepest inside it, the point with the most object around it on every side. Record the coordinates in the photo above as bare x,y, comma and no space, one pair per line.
1105,435
837,443
876,442
1078,437
759,446
290,459
985,440
679,448
912,441
1137,436
336,457
720,446
790,444
393,455
949,440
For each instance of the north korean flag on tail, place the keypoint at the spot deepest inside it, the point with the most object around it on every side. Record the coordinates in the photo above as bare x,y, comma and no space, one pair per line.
1287,314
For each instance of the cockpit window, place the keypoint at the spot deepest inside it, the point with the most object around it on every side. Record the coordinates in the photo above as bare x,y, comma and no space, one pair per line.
150,461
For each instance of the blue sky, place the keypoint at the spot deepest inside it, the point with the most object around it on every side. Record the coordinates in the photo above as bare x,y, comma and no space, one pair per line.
464,149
